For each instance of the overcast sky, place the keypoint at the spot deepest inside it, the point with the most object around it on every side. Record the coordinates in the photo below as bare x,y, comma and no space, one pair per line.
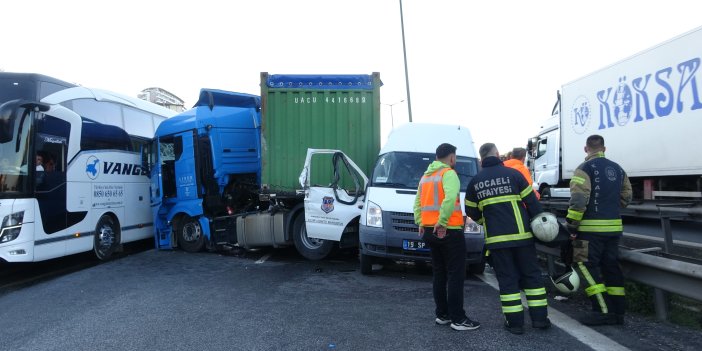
493,66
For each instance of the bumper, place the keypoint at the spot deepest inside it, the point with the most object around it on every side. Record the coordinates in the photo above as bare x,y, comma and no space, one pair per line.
386,242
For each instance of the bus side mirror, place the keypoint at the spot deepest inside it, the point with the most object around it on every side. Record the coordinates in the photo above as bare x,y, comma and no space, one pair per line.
530,145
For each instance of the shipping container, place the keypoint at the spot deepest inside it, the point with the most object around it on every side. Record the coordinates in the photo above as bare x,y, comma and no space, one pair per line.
317,111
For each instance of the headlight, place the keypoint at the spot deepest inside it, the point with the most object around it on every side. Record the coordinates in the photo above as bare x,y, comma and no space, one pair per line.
11,227
471,227
374,215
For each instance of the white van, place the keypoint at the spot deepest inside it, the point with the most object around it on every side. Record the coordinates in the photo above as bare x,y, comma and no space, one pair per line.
387,230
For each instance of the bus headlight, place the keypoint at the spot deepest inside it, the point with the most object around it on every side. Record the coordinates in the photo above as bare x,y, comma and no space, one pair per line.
374,215
11,226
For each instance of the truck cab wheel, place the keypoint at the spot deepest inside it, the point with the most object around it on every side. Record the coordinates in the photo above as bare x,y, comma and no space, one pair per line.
310,248
190,235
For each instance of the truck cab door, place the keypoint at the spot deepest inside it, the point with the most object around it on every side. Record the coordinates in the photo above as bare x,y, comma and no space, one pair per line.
334,189
185,167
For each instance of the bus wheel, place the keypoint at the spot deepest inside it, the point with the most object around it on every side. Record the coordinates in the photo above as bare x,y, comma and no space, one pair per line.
310,248
190,236
106,237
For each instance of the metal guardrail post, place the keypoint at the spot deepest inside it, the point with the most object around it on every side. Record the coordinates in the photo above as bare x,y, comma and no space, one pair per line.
667,234
661,303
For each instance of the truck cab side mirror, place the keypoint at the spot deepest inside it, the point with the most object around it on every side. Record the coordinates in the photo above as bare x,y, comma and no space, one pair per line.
145,164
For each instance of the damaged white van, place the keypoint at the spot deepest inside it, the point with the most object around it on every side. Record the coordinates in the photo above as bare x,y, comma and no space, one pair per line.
387,230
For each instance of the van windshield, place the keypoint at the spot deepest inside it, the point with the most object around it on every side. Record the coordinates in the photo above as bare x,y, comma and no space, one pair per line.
404,170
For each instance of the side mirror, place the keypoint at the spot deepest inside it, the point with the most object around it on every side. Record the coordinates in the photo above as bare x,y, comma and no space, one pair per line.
145,164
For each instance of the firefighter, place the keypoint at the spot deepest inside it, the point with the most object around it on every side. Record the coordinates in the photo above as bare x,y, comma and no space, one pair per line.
437,212
500,199
516,161
598,189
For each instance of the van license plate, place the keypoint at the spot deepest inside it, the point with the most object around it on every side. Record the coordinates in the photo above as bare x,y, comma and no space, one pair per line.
414,245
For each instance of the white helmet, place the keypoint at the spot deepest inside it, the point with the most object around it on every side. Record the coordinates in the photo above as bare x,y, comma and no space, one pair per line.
568,282
545,226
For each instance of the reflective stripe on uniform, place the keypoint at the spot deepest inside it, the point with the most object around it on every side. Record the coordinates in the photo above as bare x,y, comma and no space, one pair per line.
471,204
595,289
600,228
537,303
508,237
577,180
615,290
512,309
497,200
601,222
575,215
526,192
538,291
510,297
518,217
592,283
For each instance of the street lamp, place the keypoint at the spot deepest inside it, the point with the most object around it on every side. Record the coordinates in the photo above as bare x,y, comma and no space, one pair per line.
392,118
404,53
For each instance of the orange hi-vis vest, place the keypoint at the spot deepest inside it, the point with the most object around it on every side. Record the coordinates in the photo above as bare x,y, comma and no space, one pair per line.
432,195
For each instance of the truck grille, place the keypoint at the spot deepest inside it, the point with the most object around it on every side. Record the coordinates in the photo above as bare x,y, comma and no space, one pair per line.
403,222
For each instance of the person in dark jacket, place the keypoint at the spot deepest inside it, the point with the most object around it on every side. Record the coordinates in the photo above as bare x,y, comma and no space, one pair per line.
502,201
599,189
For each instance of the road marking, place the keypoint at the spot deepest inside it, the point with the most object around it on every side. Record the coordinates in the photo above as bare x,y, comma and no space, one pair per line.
264,258
655,238
584,334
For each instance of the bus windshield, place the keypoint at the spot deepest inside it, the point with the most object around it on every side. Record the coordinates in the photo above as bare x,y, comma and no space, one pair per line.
404,170
15,134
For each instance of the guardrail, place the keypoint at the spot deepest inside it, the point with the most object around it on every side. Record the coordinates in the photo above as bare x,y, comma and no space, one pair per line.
663,274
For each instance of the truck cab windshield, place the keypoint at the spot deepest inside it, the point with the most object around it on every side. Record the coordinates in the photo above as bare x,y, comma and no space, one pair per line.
404,170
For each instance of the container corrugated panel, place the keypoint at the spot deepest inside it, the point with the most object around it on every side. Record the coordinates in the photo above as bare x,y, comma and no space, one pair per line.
301,112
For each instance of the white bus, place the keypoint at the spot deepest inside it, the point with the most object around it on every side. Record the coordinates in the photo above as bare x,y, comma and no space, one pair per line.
70,179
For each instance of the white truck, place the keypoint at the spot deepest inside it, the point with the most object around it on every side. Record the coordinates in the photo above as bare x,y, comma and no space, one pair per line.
387,231
648,108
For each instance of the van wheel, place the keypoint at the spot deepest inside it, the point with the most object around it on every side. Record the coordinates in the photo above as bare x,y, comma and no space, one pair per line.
366,264
310,248
106,238
190,236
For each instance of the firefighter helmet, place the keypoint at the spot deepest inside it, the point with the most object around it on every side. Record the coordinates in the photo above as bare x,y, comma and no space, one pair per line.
567,283
545,226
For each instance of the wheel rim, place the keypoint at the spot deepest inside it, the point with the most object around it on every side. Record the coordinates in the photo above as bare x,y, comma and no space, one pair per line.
310,243
106,238
191,232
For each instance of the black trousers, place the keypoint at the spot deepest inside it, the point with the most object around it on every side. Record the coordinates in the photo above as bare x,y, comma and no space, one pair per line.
448,260
517,269
596,259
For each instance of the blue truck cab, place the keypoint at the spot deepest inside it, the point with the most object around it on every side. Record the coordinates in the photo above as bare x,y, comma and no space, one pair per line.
190,184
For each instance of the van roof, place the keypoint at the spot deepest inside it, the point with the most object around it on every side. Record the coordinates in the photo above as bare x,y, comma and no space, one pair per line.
425,137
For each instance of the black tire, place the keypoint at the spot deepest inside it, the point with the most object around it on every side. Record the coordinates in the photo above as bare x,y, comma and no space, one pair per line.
311,249
366,264
107,237
545,192
190,235
476,268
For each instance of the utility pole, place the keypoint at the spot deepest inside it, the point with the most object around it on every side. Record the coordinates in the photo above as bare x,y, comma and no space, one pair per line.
404,52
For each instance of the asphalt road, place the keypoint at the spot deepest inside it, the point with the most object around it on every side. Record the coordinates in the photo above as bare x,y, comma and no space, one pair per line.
275,300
